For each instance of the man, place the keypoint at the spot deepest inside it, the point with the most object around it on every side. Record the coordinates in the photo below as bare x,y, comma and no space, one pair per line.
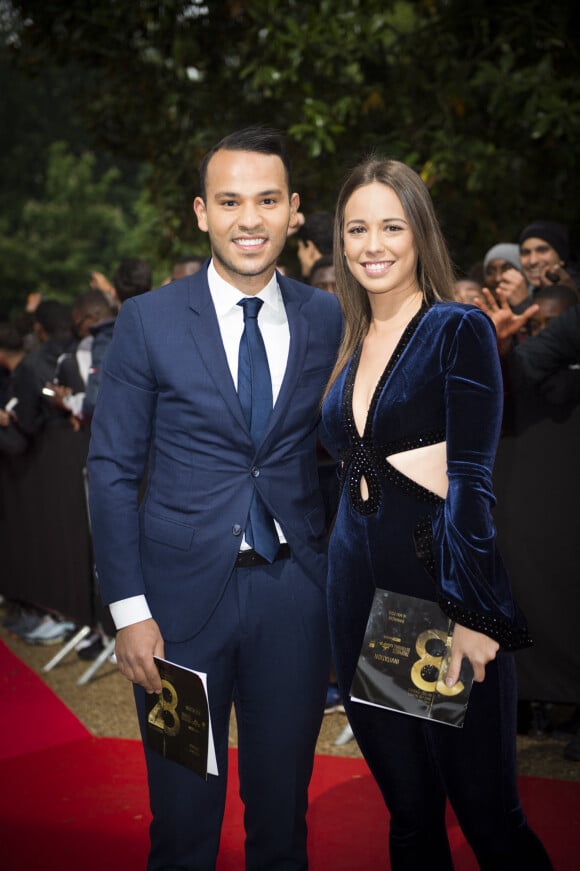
178,571
536,474
88,311
315,238
12,353
544,254
323,274
548,362
132,277
187,265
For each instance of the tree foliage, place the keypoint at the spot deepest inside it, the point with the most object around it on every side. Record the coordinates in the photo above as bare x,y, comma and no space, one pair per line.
77,224
483,98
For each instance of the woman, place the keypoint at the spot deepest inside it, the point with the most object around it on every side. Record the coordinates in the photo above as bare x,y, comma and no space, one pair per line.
412,411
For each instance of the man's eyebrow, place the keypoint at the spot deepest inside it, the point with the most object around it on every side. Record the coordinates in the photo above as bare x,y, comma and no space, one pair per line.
233,194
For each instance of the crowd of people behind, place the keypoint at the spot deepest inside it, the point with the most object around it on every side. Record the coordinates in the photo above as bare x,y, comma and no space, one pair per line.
51,356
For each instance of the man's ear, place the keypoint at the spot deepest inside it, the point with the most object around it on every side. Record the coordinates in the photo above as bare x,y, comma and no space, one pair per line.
295,221
200,213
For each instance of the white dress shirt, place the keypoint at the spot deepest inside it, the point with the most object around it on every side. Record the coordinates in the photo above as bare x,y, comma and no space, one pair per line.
275,331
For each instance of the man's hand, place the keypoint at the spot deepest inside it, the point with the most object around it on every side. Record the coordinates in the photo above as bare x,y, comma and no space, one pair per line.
135,647
98,281
506,323
478,648
564,277
59,394
513,286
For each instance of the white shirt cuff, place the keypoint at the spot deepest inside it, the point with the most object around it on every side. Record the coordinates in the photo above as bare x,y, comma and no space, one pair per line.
74,403
125,612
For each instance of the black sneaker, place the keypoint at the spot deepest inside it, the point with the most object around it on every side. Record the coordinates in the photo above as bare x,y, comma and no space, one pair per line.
540,719
566,730
91,651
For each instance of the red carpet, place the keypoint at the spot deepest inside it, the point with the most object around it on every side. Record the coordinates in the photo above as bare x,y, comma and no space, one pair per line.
70,801
33,718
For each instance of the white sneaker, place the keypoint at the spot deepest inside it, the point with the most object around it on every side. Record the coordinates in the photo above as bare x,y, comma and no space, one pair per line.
50,631
345,736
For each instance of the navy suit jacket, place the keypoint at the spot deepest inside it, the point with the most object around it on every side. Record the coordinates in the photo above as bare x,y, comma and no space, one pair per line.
168,406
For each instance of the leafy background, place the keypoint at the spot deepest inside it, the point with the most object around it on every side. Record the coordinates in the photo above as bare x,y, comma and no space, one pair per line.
108,107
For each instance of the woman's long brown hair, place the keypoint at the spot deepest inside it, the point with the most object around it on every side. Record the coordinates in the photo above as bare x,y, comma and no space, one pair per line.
434,269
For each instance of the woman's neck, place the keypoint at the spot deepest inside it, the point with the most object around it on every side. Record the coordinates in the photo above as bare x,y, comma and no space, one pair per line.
391,311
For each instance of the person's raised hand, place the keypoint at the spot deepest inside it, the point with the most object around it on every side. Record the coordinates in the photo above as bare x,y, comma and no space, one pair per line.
505,321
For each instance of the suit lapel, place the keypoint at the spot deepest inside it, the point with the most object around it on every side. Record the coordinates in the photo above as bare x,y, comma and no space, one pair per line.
299,330
207,337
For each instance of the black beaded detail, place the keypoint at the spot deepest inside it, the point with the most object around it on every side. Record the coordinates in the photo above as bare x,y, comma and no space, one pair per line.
365,459
412,488
423,538
508,636
363,463
408,443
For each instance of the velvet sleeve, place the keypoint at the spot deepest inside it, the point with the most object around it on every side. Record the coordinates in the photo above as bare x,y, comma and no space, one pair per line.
474,586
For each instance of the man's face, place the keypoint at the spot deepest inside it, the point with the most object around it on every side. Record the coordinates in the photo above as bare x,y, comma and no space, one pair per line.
308,254
536,255
547,311
181,270
82,322
325,278
247,213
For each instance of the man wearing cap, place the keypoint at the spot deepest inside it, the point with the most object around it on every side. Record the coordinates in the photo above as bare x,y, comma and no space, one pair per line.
502,270
544,254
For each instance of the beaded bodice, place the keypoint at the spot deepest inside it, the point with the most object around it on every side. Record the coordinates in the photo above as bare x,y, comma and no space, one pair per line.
365,458
442,383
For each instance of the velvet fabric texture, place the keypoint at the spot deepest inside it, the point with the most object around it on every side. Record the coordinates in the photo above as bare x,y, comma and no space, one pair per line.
443,383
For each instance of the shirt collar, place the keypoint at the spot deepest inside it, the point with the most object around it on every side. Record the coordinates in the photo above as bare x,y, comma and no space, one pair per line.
225,296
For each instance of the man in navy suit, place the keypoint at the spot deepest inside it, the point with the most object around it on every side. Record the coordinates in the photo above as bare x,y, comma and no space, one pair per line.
175,567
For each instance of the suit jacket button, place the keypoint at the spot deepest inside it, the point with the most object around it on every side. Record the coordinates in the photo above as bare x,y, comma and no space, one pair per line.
255,472
237,529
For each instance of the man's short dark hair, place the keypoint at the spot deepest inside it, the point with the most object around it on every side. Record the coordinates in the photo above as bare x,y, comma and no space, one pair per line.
54,317
319,229
190,258
263,140
132,277
562,293
94,302
11,339
324,262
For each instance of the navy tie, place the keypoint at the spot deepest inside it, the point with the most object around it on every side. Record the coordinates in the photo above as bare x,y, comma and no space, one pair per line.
255,393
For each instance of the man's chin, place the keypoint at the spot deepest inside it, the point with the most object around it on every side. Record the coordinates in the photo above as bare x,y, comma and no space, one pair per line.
248,269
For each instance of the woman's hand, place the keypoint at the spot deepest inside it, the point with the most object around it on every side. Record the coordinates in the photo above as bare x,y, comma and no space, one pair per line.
477,647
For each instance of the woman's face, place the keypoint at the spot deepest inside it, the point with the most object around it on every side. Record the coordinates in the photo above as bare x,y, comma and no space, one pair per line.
378,242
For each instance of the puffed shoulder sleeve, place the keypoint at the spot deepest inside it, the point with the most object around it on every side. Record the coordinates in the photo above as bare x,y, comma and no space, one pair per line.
474,586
